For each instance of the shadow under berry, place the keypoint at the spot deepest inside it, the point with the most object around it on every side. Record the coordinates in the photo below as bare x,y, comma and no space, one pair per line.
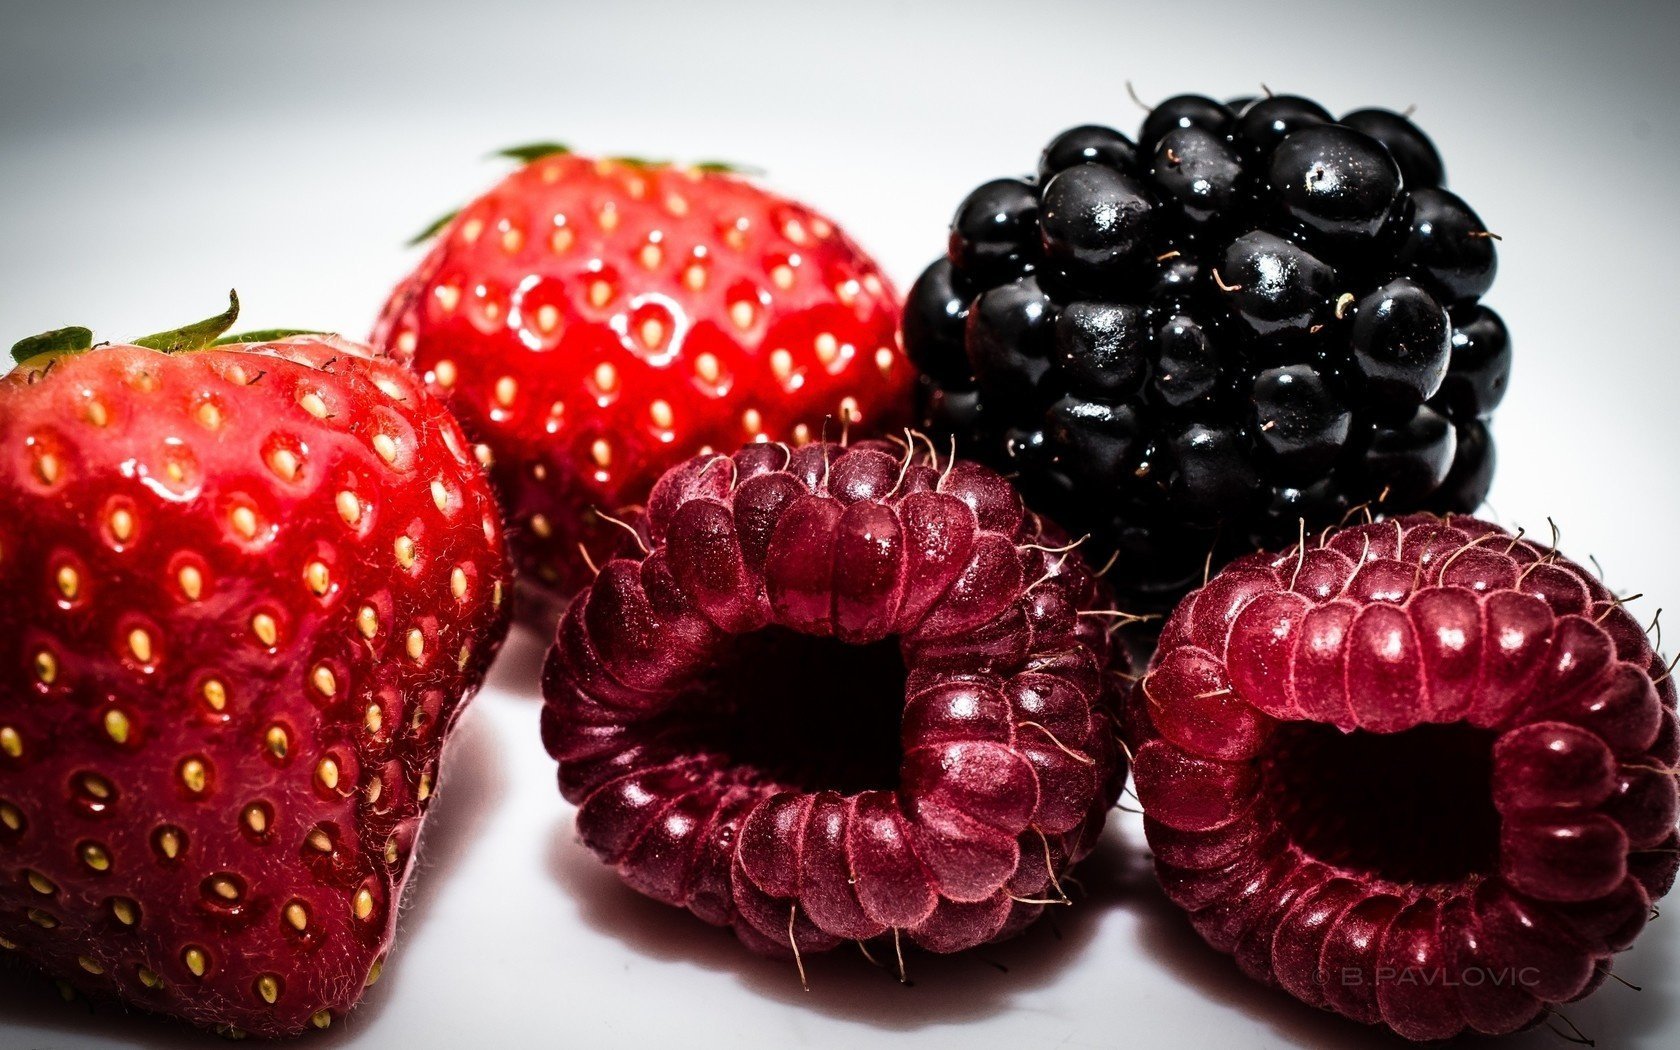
941,989
517,671
472,787
1616,1015
1168,941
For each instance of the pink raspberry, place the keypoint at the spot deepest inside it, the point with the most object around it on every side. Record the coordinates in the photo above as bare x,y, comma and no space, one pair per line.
846,693
1419,774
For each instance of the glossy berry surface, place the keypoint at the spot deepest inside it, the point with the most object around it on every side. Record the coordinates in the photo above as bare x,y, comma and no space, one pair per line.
1336,183
1088,143
1252,315
1265,123
1420,163
1419,773
593,322
249,590
840,694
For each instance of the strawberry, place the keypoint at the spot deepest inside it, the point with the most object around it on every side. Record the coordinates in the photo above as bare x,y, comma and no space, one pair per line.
594,322
249,588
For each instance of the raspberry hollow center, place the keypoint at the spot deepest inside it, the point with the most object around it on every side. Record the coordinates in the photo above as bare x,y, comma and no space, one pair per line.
848,692
800,711
1413,807
1380,770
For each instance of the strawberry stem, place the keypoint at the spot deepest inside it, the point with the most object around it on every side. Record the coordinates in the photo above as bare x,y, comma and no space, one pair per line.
195,336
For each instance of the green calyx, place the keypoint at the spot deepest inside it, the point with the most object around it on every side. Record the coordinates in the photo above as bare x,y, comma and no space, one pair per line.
265,335
640,162
724,167
538,150
535,151
71,340
710,167
525,154
195,336
432,230
200,335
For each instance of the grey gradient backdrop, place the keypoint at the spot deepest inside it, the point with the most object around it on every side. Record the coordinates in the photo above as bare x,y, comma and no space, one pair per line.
152,154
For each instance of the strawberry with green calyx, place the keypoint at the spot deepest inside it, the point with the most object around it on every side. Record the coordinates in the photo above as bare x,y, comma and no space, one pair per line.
593,322
250,585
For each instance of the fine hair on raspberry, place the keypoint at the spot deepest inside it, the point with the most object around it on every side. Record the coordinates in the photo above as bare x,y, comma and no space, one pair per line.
846,693
1419,773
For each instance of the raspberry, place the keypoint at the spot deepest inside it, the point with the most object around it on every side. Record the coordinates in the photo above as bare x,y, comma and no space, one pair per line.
1419,774
1253,315
720,706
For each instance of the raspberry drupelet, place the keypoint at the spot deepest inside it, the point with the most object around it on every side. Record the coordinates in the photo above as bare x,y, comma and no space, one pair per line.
906,610
1420,773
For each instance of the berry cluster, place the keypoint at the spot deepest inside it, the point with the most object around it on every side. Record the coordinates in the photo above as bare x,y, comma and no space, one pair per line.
853,690
1254,314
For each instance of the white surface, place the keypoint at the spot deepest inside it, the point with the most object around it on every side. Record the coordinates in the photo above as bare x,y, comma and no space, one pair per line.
153,154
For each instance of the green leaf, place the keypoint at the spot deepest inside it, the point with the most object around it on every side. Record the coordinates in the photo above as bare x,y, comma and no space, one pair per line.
71,340
640,162
433,230
532,151
194,336
265,335
724,167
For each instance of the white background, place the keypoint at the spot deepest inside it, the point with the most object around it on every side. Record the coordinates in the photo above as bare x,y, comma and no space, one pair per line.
152,154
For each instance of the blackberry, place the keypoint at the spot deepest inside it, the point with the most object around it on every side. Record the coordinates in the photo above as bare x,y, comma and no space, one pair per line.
1252,315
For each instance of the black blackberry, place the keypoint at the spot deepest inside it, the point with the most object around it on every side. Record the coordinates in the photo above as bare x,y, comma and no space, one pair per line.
1253,315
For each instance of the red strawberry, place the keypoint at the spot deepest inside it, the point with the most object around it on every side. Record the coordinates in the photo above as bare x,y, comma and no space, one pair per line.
249,588
594,322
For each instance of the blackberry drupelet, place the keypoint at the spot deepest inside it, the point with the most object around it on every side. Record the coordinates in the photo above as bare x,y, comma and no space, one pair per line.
1255,314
